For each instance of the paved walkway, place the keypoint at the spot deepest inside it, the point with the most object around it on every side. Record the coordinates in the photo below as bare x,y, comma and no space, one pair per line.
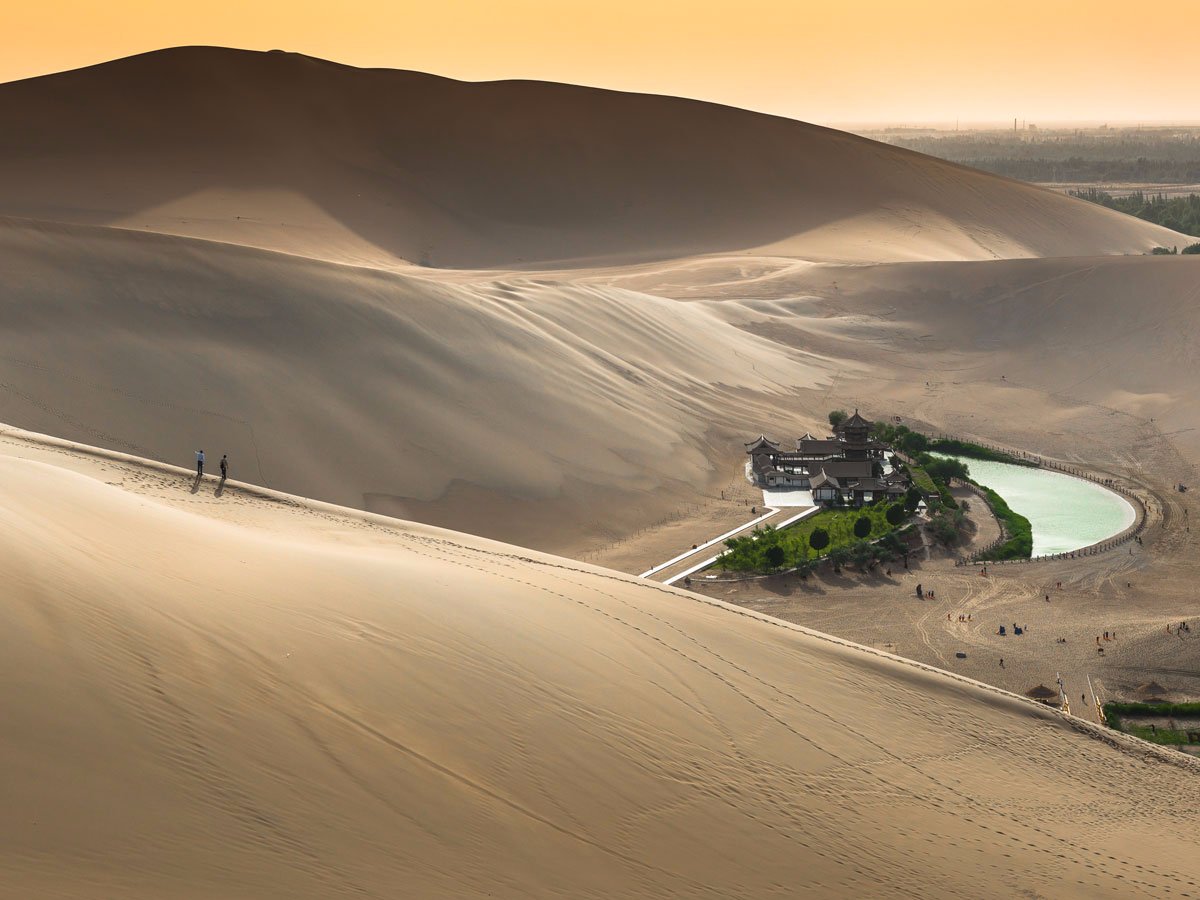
1079,695
693,560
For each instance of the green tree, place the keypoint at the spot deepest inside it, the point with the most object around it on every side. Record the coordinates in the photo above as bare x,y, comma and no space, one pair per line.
862,526
837,417
775,556
1191,249
895,514
912,499
943,470
943,530
913,443
818,540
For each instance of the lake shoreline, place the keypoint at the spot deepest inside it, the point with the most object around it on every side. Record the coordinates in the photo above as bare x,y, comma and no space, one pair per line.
1066,513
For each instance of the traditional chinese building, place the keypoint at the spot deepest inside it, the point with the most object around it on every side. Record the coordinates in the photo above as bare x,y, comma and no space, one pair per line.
847,467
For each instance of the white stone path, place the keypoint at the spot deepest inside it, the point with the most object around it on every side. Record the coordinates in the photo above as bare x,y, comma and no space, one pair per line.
701,557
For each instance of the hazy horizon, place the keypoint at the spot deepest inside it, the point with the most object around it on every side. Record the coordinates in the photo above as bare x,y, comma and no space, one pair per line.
873,66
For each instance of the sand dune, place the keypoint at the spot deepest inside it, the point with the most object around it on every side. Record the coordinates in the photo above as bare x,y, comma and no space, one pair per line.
225,692
286,152
1022,346
556,413
239,694
232,692
545,412
565,411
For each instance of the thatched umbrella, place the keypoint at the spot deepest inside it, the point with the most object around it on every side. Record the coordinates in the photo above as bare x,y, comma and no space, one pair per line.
1152,691
1042,693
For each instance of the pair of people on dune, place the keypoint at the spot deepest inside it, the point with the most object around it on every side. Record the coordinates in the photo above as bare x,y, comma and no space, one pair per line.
200,465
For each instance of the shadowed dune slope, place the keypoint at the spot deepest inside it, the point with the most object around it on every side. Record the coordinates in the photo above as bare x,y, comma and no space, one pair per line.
1096,336
550,413
540,411
287,152
211,695
1019,346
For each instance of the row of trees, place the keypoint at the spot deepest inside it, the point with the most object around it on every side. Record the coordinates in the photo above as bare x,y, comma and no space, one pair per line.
1148,159
1143,170
901,437
861,552
1177,213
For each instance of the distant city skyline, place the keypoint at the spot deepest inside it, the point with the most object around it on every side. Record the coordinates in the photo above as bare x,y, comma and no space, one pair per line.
871,64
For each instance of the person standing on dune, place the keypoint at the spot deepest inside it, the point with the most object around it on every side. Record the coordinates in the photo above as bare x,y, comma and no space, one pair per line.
224,466
199,463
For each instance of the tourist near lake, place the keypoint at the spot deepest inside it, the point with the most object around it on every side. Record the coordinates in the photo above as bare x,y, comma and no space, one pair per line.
1066,513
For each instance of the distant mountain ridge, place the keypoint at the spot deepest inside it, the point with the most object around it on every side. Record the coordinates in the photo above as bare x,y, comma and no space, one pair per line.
382,166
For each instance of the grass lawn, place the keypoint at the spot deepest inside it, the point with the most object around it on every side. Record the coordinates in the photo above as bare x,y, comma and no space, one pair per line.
750,553
1155,736
1124,717
840,525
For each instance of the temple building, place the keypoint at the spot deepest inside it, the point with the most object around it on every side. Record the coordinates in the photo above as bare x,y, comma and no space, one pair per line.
845,468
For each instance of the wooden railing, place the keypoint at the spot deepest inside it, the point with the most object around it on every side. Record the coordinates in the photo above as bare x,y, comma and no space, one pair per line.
987,548
1129,534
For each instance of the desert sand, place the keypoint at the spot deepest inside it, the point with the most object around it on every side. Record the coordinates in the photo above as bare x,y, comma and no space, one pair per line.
548,316
286,152
216,692
567,408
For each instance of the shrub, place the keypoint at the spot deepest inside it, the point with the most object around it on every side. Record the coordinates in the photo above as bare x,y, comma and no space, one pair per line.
882,553
839,556
1181,710
862,554
1162,251
895,514
862,527
955,447
1191,249
1115,713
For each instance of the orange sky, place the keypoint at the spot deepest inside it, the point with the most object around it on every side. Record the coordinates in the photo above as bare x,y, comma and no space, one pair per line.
828,62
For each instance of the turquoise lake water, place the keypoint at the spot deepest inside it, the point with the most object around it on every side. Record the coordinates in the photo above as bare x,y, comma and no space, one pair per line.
1065,513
